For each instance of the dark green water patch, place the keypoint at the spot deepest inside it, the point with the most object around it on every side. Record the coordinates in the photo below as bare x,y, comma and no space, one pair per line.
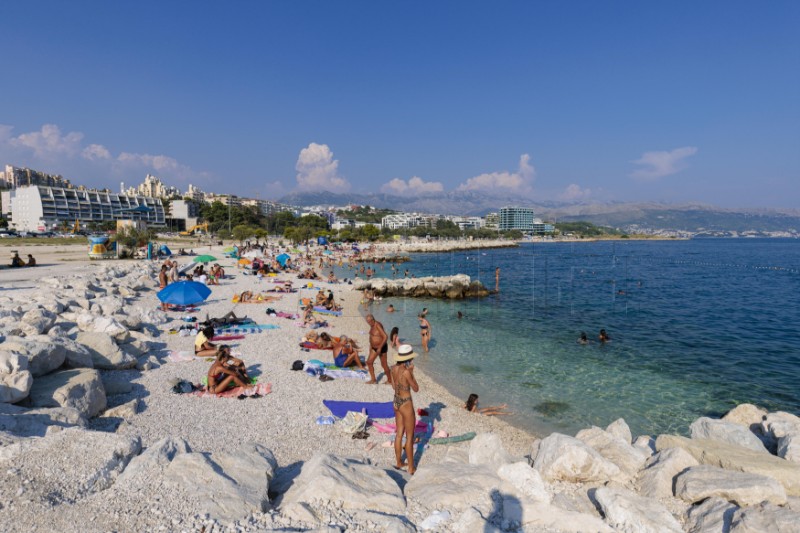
551,408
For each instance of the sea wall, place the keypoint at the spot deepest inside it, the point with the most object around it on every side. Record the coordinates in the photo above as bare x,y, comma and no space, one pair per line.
450,287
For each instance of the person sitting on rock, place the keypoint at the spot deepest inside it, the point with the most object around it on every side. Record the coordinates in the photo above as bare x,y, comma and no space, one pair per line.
226,370
203,347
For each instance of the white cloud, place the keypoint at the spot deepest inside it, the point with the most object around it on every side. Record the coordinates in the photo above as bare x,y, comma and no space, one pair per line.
94,152
520,181
92,164
655,165
318,170
575,193
412,187
48,142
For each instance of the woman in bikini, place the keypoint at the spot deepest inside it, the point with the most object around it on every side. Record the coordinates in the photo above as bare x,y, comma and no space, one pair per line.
394,343
424,331
226,370
404,382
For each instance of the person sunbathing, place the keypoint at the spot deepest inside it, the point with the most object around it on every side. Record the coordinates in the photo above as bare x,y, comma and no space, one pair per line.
246,296
228,319
203,347
345,353
492,410
226,370
324,341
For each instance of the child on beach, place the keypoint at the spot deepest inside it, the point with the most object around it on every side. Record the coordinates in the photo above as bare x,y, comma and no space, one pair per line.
492,410
203,346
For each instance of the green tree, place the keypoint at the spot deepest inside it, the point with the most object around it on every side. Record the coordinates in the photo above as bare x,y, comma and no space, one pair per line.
242,232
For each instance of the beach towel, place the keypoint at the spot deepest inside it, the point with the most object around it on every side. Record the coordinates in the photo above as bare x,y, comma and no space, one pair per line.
261,388
247,329
227,338
420,427
450,440
313,346
180,357
373,409
292,316
323,311
256,300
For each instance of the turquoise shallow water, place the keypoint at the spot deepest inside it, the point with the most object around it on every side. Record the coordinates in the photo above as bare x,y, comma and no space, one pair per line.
697,327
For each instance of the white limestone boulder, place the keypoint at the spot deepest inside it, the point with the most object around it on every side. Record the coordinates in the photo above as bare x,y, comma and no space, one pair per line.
526,480
94,461
154,459
700,482
228,486
627,511
738,459
789,447
711,516
730,432
106,354
747,415
619,428
34,422
15,387
37,321
657,480
107,305
646,444
620,452
126,411
538,516
12,362
43,355
487,449
349,482
76,355
79,388
765,518
454,486
564,458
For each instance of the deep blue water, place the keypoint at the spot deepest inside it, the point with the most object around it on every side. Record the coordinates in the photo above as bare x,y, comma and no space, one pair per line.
697,327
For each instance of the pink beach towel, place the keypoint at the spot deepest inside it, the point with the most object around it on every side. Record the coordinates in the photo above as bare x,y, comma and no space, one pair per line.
420,427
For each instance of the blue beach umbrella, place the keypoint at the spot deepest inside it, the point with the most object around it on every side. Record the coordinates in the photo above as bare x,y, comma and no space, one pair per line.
282,259
184,293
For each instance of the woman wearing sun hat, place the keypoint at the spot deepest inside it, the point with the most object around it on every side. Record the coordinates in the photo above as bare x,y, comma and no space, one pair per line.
404,382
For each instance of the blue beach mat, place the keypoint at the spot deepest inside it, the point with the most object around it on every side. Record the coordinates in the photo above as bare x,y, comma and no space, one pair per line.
323,311
373,409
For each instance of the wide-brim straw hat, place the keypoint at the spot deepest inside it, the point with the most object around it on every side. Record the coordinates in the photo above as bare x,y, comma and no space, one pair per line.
404,353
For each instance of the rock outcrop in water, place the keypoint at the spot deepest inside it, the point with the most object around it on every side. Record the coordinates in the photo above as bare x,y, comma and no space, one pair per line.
450,287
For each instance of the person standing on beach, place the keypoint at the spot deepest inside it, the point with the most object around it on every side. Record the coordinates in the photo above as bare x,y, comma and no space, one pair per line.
378,347
162,284
405,419
424,330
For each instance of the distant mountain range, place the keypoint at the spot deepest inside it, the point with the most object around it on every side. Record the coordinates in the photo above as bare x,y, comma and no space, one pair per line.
647,217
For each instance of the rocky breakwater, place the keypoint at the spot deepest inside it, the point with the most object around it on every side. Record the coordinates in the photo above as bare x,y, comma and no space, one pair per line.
424,246
722,479
59,343
451,287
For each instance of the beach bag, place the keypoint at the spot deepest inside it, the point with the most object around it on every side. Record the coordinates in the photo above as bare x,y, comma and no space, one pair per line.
353,422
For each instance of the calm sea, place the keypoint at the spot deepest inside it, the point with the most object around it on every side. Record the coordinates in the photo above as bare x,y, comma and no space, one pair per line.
697,327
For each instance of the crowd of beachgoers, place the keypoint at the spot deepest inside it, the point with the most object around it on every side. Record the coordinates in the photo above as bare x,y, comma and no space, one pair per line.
279,402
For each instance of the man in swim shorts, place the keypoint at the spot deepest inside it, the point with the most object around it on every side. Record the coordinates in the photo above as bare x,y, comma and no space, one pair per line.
378,347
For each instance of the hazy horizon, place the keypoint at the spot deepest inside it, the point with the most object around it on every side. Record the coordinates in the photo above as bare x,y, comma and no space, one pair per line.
580,102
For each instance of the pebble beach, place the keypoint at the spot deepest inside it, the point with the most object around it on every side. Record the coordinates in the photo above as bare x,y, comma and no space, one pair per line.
152,459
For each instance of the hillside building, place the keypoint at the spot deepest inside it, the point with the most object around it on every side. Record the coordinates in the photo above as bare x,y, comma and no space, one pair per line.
13,177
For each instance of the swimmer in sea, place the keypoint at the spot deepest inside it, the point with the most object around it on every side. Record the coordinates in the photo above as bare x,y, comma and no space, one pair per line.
424,330
492,410
604,338
583,338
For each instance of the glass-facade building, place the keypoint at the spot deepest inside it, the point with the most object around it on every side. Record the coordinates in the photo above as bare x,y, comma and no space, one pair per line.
520,218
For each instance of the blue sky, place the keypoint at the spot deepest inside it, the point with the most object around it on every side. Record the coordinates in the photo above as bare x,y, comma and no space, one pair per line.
578,101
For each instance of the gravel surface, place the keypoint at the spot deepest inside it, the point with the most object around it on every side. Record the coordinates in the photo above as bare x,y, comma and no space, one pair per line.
283,421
